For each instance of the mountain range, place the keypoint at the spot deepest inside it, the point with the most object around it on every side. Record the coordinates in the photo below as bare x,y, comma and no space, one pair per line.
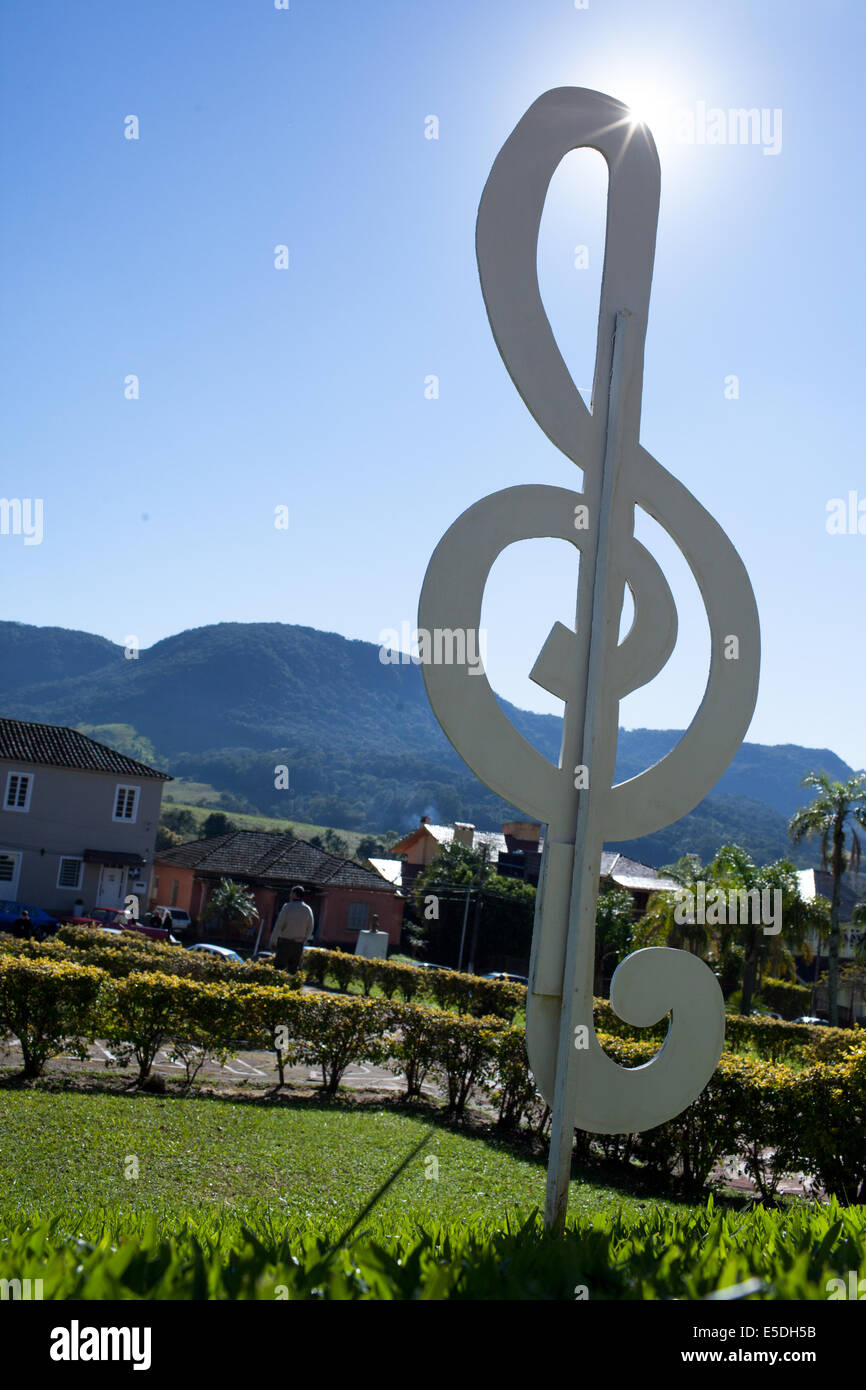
229,704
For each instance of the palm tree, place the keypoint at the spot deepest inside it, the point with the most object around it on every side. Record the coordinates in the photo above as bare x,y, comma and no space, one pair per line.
831,813
663,922
739,946
733,870
231,905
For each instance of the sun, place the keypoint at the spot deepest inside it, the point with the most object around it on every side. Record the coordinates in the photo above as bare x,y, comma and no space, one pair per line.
650,107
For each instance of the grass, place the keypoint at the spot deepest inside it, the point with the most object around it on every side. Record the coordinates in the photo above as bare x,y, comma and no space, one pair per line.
312,1162
246,821
263,1202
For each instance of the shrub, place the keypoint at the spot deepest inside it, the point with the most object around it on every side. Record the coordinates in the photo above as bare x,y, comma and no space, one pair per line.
121,955
315,965
334,1032
464,1051
272,1019
49,1006
512,1087
142,1011
343,967
413,1043
827,1140
787,998
763,1103
367,973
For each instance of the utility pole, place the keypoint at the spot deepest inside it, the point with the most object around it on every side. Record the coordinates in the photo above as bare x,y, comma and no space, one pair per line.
463,928
474,946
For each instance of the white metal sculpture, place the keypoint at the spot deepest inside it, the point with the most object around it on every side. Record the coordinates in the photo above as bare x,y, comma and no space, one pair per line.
588,667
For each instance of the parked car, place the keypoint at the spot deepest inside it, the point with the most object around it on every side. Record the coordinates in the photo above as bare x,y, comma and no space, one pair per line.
811,1018
428,965
155,933
101,917
42,922
180,918
504,975
221,952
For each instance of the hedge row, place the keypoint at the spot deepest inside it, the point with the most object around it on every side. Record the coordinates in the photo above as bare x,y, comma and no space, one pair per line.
775,1119
769,1038
120,955
449,989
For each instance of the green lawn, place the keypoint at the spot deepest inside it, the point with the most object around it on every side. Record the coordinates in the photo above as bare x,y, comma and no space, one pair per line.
245,821
67,1152
236,1200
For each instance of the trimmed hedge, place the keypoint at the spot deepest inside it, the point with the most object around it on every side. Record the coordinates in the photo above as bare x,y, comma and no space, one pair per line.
776,1119
50,1006
119,956
450,989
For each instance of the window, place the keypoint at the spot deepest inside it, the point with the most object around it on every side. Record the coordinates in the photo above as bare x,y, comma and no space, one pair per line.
358,914
18,788
125,803
175,888
10,863
69,873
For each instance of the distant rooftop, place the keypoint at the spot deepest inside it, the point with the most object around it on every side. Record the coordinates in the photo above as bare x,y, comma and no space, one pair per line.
279,858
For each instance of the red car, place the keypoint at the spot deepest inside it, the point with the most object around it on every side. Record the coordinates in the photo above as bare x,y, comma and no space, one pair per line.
115,917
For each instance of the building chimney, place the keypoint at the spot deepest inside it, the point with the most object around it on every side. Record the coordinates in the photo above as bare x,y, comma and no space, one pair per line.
464,834
425,820
522,834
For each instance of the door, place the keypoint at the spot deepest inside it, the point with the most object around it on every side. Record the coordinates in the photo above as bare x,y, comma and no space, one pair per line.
112,885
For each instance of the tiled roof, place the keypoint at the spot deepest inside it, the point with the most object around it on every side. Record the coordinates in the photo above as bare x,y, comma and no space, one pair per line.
56,746
630,873
257,854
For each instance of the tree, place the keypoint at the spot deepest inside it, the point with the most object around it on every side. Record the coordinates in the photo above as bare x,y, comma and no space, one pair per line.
217,823
458,889
831,815
614,925
180,820
721,919
734,872
662,922
231,905
334,843
167,838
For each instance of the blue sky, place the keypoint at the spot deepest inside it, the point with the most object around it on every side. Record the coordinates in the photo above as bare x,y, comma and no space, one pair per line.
304,387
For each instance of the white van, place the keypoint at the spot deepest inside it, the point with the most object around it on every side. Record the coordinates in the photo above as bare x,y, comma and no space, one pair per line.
180,919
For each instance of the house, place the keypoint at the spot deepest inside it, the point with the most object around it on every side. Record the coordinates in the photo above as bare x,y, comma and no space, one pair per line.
343,895
78,820
819,883
515,853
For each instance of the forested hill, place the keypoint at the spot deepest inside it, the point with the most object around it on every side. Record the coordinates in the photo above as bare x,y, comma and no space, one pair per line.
228,703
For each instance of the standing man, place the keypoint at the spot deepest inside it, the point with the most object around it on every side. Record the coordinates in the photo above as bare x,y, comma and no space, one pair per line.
292,930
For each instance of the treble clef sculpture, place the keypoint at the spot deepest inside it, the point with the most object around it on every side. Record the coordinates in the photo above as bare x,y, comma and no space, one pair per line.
588,667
